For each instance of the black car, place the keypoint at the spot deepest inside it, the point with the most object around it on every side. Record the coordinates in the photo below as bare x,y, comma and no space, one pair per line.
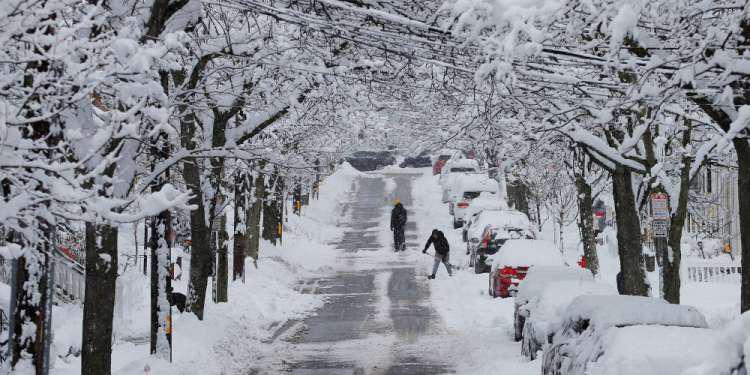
416,162
370,160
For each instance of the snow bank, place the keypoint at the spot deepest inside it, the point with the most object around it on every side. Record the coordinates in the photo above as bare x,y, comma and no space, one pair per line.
652,350
615,310
526,253
333,190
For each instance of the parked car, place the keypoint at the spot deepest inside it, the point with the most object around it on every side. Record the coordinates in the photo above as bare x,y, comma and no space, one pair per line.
729,356
469,189
537,280
628,335
453,171
416,162
511,263
542,299
440,162
484,202
489,231
366,161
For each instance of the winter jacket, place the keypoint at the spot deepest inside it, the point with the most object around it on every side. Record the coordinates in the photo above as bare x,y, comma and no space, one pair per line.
440,242
398,216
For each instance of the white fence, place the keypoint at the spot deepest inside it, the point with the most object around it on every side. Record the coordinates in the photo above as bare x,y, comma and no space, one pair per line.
708,270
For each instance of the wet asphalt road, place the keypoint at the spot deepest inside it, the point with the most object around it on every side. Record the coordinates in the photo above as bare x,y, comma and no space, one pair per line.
377,315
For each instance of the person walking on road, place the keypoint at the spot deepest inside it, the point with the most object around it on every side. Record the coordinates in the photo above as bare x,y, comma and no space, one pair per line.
438,240
398,224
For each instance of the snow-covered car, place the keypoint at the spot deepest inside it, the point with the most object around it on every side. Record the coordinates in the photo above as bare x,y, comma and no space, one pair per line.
489,231
371,160
536,282
729,356
628,335
453,171
484,202
470,188
510,264
542,299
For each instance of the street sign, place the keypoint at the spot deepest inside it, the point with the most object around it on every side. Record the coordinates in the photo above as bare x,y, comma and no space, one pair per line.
660,228
659,206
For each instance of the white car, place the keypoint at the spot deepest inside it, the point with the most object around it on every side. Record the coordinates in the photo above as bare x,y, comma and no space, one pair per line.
453,170
498,224
469,190
628,335
542,298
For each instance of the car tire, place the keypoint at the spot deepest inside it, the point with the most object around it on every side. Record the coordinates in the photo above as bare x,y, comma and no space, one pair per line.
478,267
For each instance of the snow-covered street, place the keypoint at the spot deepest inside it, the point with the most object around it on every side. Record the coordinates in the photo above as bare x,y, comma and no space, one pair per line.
381,314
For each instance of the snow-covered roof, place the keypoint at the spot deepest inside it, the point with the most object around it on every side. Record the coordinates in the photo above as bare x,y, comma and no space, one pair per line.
539,277
615,310
503,218
527,253
652,350
485,201
477,182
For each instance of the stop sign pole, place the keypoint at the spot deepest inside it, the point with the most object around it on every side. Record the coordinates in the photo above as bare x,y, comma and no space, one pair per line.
660,229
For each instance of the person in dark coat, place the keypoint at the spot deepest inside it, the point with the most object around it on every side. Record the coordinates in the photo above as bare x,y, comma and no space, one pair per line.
442,249
620,282
398,224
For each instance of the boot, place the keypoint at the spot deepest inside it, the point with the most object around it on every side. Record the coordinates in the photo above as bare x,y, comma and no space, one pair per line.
430,277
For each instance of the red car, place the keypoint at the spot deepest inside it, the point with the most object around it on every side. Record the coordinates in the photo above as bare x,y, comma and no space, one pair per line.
439,163
512,261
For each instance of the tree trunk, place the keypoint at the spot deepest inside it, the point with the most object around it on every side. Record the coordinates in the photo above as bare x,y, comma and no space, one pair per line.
586,218
742,148
240,224
161,335
518,195
628,234
31,297
222,269
270,211
671,263
256,212
99,298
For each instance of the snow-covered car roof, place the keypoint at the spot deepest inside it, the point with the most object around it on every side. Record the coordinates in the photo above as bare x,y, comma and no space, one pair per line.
486,201
526,253
602,311
539,277
503,218
477,182
646,350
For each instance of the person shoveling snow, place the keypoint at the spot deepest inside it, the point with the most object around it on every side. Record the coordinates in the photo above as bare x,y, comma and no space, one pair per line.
438,240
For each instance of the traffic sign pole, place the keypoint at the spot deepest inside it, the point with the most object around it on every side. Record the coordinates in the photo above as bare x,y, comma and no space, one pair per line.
660,229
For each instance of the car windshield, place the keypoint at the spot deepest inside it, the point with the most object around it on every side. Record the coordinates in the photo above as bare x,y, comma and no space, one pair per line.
444,157
462,169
